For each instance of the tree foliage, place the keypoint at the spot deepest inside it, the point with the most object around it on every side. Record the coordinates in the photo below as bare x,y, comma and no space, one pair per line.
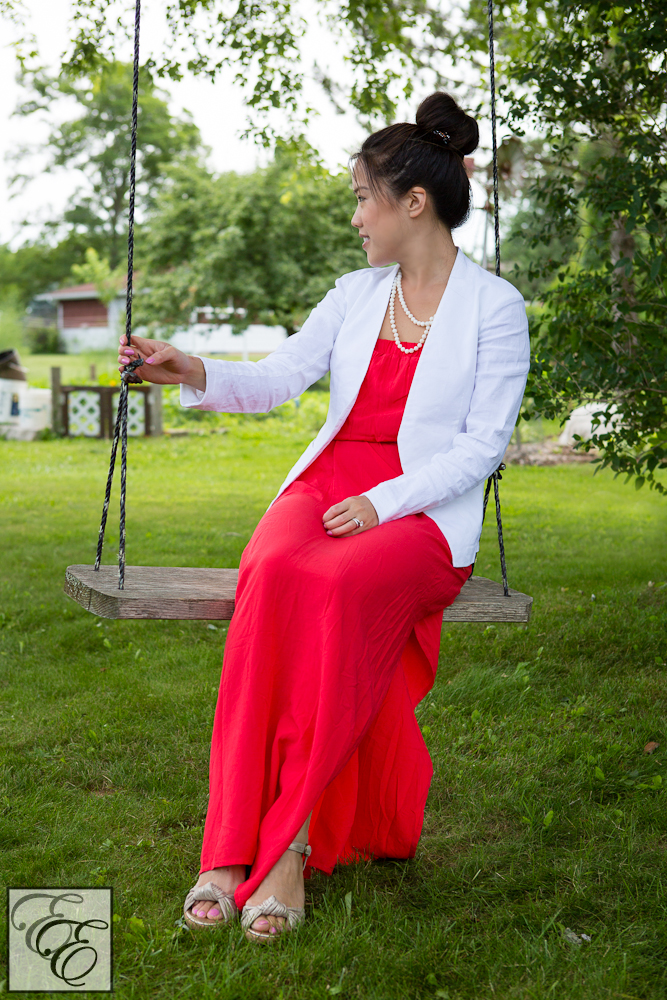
96,271
96,143
386,44
260,247
36,267
592,79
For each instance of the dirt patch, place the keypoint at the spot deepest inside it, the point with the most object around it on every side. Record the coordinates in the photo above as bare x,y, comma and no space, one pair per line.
654,597
547,452
97,787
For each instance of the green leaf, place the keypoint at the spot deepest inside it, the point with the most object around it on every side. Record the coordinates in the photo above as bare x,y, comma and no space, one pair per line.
599,774
548,819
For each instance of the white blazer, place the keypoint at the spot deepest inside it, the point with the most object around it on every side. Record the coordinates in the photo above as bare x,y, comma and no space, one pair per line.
461,409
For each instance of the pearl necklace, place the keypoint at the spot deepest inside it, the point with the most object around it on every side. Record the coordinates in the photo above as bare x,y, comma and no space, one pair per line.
398,286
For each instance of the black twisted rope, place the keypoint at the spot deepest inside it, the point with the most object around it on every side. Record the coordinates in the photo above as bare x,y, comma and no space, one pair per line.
496,476
492,85
120,428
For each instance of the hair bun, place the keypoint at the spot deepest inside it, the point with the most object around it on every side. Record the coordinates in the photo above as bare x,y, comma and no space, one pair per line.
440,112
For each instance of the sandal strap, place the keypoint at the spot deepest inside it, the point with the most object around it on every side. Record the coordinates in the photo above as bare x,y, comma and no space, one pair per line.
300,848
271,907
304,849
211,891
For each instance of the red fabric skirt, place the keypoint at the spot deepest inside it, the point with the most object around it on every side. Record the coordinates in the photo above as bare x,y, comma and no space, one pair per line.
333,643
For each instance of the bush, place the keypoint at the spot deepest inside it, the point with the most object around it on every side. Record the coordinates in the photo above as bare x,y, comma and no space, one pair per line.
305,414
11,327
44,340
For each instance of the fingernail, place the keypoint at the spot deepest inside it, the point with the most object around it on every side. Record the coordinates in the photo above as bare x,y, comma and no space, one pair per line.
149,361
329,532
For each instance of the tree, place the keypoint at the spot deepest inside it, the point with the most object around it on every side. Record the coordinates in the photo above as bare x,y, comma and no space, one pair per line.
96,271
261,247
97,143
592,79
37,266
524,206
387,43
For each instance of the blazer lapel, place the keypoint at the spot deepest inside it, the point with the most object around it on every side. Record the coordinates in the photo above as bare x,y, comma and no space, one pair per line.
354,349
437,379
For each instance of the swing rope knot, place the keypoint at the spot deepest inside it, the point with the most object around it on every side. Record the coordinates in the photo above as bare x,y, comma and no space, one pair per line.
128,372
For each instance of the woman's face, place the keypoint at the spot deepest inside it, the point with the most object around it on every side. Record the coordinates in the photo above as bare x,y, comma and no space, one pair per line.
380,222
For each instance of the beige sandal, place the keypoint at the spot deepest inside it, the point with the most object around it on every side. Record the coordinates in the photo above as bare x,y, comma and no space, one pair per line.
211,891
271,907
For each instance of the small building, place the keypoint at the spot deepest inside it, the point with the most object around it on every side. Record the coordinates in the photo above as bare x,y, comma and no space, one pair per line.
84,322
206,337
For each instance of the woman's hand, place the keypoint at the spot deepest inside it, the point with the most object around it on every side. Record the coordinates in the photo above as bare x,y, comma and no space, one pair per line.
339,519
163,364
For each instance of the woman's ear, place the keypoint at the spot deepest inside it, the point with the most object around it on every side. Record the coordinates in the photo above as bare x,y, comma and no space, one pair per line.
415,201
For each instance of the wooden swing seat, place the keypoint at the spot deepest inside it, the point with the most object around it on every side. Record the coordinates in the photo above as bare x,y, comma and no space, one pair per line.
158,592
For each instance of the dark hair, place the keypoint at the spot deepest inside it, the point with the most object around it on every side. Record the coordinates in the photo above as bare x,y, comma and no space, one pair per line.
429,154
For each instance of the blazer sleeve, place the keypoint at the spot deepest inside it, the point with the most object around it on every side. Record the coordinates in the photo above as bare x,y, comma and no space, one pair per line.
503,360
258,386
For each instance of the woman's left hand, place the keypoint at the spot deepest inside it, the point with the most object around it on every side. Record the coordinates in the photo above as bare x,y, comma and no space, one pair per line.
339,519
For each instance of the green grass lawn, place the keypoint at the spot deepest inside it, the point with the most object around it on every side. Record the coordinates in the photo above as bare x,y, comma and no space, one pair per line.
546,819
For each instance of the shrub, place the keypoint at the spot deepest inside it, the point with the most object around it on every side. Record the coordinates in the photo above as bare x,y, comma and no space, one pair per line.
44,340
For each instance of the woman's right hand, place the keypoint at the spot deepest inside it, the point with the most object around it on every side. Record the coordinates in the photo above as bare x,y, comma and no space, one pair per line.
163,363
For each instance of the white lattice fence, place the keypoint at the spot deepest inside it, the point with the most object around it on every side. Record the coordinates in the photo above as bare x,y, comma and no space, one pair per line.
91,412
136,413
84,414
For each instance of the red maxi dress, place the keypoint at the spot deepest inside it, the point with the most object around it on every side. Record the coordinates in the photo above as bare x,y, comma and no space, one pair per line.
333,643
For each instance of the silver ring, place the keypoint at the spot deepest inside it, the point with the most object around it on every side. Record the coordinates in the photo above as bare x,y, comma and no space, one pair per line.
358,523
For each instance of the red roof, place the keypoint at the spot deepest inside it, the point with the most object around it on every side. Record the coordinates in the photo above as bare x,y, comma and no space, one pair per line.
87,291
73,289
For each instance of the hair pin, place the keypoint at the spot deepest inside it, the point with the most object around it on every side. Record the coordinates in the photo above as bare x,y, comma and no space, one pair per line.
445,136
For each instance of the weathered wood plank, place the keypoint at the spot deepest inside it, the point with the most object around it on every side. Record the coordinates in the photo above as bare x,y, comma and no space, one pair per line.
154,591
483,600
158,592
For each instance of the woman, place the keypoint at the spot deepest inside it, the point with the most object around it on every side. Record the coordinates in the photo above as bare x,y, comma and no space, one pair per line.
341,590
